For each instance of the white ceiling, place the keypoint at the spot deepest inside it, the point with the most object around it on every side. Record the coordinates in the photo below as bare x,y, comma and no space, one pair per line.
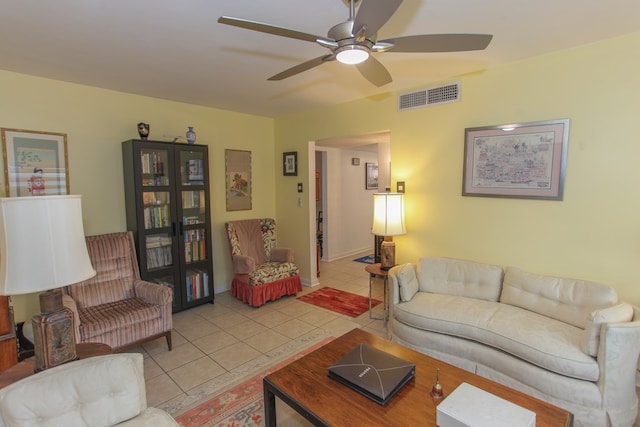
175,49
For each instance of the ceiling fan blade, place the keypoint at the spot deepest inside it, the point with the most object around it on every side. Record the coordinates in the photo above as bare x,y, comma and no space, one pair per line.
439,42
373,14
302,67
269,29
374,71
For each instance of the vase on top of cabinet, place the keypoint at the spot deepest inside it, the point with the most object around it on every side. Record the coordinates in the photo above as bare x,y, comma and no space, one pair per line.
167,205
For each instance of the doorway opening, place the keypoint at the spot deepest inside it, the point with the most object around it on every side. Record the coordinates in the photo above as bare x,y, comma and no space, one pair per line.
340,212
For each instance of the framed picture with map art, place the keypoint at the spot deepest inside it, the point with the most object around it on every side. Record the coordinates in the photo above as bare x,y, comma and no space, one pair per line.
525,160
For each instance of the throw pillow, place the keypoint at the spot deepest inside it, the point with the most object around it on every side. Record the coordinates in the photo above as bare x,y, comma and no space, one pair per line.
407,281
622,312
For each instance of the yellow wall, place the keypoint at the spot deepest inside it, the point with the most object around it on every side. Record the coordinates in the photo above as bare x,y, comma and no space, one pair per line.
594,233
96,121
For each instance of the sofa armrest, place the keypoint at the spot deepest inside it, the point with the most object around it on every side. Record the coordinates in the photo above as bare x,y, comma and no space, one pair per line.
70,303
396,276
282,255
243,264
153,293
404,283
618,360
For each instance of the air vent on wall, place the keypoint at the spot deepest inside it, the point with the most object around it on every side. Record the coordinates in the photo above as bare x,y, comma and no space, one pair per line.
429,96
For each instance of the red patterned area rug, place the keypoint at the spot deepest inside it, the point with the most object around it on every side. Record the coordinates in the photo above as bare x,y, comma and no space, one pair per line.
238,406
339,301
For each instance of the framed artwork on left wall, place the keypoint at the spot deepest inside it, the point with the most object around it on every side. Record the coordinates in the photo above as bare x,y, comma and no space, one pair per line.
35,163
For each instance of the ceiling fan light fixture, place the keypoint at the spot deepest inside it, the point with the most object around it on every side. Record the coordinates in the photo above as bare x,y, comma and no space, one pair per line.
352,54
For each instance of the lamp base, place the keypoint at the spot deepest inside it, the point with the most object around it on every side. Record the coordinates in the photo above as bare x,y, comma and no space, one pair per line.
387,254
53,332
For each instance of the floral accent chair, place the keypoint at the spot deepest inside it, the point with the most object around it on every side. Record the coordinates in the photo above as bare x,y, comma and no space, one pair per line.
262,271
116,307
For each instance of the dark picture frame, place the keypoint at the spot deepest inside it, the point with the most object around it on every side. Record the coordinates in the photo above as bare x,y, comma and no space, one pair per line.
371,176
290,163
524,160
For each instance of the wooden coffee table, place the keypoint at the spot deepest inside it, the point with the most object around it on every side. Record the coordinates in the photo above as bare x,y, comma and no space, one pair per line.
305,387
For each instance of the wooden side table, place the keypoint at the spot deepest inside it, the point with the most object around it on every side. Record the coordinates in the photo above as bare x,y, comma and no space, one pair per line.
26,368
374,270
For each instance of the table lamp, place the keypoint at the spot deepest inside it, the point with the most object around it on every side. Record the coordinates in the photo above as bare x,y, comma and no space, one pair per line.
43,248
388,221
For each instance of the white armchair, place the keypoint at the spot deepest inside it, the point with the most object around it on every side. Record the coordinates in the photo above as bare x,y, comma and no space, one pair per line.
97,391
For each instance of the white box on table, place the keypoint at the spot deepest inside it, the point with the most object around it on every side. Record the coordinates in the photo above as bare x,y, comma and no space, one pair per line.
469,406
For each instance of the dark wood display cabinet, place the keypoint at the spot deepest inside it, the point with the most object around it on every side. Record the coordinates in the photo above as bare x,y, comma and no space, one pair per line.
168,209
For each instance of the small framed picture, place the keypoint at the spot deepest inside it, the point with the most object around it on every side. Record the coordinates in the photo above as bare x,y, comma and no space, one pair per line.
355,161
371,178
290,163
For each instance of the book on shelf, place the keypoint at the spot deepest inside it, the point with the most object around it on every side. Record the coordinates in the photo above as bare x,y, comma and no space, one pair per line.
197,285
159,251
152,163
190,199
150,198
195,171
189,220
156,216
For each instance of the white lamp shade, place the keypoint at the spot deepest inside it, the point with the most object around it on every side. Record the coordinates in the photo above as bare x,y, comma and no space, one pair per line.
42,244
388,214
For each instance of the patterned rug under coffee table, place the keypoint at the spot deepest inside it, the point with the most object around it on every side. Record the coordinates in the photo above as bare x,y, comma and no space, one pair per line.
240,405
339,301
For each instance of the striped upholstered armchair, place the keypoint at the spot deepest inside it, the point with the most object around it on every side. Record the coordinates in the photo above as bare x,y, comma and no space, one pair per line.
262,271
115,306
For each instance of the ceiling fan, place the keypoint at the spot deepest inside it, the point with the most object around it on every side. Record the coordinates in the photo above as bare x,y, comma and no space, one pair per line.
353,41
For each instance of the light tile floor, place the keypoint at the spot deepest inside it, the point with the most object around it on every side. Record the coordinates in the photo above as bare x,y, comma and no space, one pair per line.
217,344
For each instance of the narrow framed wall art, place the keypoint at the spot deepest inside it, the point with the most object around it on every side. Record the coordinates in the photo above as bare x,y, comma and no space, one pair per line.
237,164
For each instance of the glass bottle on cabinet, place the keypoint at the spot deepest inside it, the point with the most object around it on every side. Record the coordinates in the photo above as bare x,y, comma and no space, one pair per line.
166,192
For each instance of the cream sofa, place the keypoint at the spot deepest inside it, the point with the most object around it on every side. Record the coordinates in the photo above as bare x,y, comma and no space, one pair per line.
569,342
93,392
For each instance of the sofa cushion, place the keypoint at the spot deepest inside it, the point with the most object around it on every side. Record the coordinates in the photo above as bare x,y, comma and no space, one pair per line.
124,315
540,340
271,272
97,391
622,312
407,281
568,300
460,277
